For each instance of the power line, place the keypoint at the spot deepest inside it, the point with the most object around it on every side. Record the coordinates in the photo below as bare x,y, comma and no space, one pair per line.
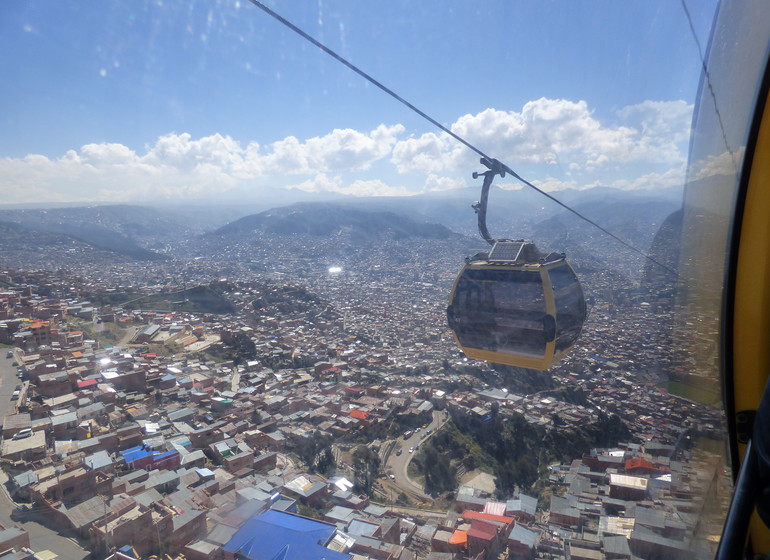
707,76
364,75
433,121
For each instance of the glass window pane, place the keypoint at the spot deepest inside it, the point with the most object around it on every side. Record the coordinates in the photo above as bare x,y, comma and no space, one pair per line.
501,311
570,306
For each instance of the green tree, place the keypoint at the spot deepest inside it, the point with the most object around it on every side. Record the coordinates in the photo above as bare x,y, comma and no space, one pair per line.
438,471
609,430
315,451
325,463
366,468
244,347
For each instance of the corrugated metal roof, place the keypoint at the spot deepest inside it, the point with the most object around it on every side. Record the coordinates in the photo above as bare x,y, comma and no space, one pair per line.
275,534
495,508
468,514
616,546
359,527
628,481
522,535
98,460
481,529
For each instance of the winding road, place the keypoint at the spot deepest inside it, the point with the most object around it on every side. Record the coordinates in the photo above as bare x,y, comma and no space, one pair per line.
397,465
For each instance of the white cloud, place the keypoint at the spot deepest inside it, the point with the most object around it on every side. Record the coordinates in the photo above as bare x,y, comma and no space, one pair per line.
319,183
668,120
554,131
179,166
555,143
376,188
429,153
722,164
552,184
435,183
674,177
342,149
323,183
99,155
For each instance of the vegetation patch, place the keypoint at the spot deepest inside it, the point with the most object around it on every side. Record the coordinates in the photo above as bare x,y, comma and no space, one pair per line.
200,299
443,456
107,334
242,349
515,451
691,392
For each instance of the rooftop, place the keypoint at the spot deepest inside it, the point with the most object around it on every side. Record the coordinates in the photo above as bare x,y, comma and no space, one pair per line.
276,534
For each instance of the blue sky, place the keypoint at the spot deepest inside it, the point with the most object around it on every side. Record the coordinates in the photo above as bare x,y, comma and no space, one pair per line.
133,101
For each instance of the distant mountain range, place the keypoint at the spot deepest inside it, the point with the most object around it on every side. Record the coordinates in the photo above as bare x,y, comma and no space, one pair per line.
119,229
325,219
23,247
147,233
135,232
516,213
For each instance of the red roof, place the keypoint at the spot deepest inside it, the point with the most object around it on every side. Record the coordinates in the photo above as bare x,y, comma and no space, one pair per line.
86,383
481,529
360,414
469,514
641,463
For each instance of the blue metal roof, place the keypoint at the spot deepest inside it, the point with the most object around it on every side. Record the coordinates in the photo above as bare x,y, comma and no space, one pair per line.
139,452
275,535
135,453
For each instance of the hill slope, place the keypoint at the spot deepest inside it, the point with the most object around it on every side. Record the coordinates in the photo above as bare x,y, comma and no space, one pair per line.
326,219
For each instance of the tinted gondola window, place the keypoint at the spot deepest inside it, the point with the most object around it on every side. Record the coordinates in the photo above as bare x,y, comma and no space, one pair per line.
501,310
570,306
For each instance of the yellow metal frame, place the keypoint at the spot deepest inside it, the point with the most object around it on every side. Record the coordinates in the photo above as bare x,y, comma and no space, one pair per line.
751,328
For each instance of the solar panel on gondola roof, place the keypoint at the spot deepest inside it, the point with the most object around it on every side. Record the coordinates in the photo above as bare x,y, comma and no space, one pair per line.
506,251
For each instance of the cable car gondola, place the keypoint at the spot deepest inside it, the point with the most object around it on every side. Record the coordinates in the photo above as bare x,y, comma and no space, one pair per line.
515,305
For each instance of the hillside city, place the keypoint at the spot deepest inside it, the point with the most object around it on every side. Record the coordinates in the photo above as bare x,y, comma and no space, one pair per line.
300,397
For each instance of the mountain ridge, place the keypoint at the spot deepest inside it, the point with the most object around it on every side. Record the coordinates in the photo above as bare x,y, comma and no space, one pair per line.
325,219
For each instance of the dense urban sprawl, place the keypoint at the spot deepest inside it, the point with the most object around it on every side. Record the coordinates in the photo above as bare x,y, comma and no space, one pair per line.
148,427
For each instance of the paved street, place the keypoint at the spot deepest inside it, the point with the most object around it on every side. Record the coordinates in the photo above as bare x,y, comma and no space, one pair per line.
397,464
40,537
